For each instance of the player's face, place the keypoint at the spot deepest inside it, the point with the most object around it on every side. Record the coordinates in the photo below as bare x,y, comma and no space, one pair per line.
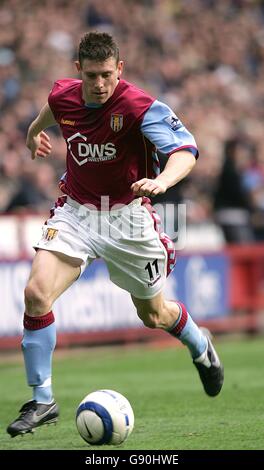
99,79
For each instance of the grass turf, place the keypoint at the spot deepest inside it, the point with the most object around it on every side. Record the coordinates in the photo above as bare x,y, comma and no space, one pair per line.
171,409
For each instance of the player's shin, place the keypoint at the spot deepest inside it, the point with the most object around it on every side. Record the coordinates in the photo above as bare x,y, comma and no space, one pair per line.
38,344
186,330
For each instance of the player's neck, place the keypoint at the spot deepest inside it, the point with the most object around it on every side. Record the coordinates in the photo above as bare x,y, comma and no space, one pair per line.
93,105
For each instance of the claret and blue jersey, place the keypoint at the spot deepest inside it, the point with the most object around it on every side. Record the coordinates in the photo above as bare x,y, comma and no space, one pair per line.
112,146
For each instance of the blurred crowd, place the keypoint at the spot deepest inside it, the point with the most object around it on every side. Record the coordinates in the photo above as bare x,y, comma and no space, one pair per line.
204,58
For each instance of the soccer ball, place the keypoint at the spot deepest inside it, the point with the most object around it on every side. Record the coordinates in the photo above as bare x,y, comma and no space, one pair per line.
104,417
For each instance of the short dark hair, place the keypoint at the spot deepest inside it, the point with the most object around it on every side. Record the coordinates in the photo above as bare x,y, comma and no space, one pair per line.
98,47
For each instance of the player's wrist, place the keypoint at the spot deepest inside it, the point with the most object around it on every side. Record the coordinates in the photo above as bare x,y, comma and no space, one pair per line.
163,184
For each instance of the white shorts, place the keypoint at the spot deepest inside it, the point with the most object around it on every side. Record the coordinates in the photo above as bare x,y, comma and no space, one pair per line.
137,255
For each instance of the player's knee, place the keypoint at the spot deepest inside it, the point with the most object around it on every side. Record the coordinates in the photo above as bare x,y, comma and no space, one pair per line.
36,300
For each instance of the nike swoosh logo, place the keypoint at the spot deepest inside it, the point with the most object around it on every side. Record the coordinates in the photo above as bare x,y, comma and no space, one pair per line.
88,431
39,417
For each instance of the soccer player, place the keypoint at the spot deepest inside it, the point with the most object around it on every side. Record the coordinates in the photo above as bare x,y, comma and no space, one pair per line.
112,130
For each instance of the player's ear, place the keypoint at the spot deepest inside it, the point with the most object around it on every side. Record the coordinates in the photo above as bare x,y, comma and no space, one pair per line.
120,66
77,65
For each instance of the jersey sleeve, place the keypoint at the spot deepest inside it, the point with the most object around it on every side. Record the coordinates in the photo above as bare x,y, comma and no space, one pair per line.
54,99
164,129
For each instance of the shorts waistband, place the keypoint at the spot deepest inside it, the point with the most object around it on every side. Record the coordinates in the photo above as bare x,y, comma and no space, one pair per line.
135,203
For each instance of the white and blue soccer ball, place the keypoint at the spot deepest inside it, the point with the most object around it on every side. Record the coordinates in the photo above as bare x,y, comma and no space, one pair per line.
104,417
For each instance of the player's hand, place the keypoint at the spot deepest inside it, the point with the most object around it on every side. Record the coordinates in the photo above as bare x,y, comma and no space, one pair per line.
39,145
148,187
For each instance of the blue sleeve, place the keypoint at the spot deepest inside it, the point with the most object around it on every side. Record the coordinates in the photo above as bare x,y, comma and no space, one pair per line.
163,128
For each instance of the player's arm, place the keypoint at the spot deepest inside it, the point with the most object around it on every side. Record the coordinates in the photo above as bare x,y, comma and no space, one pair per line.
38,141
162,127
177,167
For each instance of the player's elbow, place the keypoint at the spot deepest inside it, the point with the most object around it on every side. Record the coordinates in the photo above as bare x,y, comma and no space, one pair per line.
185,161
190,159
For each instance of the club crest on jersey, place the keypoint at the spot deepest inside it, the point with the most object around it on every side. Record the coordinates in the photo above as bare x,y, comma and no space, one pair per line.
116,122
50,234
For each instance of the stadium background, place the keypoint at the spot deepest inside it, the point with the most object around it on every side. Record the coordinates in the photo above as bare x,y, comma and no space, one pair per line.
205,59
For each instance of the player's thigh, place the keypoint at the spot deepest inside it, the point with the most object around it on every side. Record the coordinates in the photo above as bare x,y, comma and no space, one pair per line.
52,272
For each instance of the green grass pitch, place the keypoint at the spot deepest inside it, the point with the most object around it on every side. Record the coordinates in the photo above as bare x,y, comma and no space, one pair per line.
171,409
